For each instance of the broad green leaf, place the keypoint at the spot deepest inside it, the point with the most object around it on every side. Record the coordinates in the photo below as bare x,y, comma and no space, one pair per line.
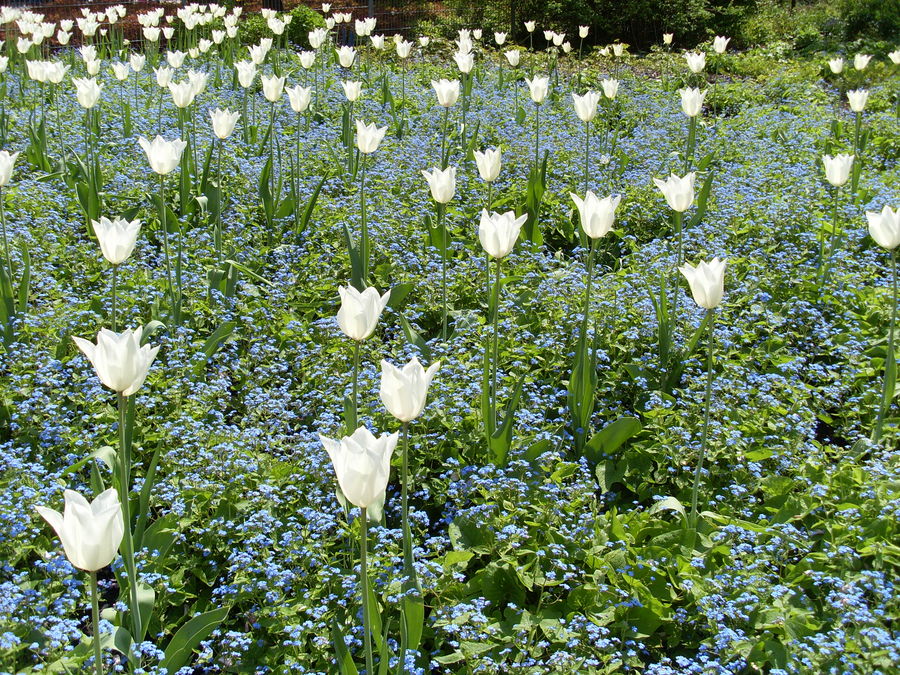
194,631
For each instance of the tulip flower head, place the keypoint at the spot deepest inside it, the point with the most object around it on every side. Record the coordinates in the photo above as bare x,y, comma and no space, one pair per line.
117,238
121,71
858,99
586,105
500,39
498,232
119,359
512,57
679,192
597,215
90,532
377,42
488,163
707,282
696,61
317,37
273,87
583,31
885,227
530,26
299,97
368,137
720,44
163,76
465,61
137,62
610,88
538,88
87,91
836,65
7,162
442,184
692,100
403,390
861,61
447,92
362,464
346,55
246,72
223,122
837,168
307,59
163,155
894,56
403,48
352,90
359,311
175,59
424,41
667,38
182,93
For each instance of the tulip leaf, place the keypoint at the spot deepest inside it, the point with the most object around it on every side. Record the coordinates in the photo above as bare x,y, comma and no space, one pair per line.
702,198
218,337
413,608
413,338
25,283
610,438
303,223
356,261
143,512
398,295
501,441
350,415
384,652
344,660
146,598
119,639
195,630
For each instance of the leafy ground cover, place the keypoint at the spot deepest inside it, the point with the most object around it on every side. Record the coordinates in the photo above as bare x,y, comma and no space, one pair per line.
555,560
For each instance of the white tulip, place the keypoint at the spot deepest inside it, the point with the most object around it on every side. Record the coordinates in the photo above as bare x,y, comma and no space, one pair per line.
90,532
498,232
119,360
707,282
362,464
404,390
359,311
117,238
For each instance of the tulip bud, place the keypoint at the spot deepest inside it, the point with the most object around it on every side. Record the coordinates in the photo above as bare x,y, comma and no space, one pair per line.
368,137
858,99
359,311
619,49
442,184
538,88
223,122
362,464
488,163
299,97
163,155
679,192
885,227
117,238
119,360
597,215
586,105
837,168
498,232
692,101
404,390
707,282
90,532
7,162
447,92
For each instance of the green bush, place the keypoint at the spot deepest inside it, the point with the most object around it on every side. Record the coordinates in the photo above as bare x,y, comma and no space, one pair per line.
871,19
254,27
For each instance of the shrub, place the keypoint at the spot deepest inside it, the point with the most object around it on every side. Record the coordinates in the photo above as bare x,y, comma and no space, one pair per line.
254,27
872,19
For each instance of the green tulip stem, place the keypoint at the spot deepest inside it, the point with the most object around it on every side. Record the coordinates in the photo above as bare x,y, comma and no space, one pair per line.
587,153
127,541
95,618
404,502
217,235
537,133
885,403
443,161
679,234
443,234
515,97
364,586
356,346
364,223
495,301
691,144
113,312
825,261
703,438
856,170
9,267
165,234
587,288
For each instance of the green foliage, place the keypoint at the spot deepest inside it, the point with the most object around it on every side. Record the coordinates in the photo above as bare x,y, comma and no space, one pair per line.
872,19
